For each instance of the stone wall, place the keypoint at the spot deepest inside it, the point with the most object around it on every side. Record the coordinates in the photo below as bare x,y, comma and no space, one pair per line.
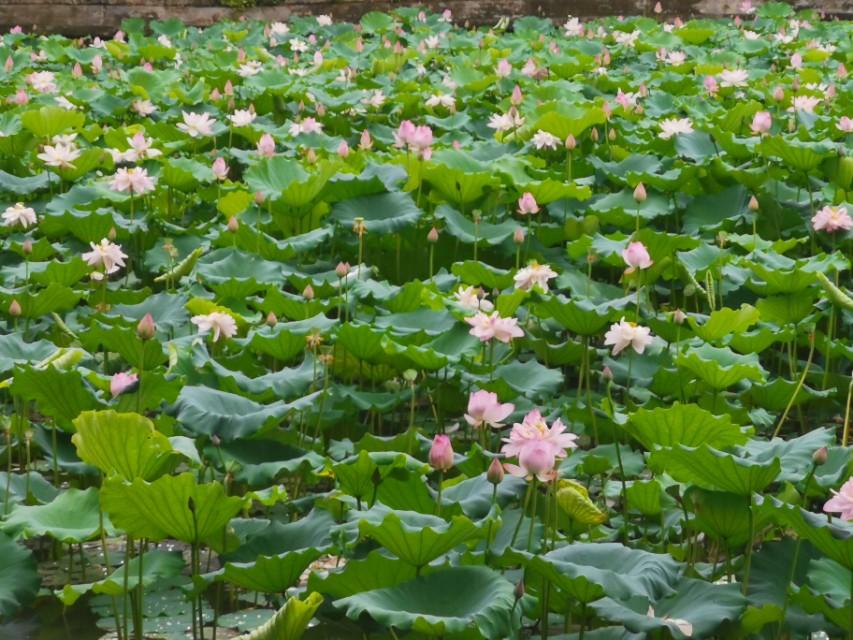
76,17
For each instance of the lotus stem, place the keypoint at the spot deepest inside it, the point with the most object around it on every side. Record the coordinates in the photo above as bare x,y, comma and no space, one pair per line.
521,517
799,387
438,497
846,430
137,625
749,544
128,549
624,498
532,513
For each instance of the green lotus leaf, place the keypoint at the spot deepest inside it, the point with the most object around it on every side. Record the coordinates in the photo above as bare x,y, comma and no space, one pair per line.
204,410
696,609
382,213
290,622
573,499
686,424
721,368
171,507
270,574
458,176
418,538
374,571
723,516
62,395
260,462
723,322
123,444
579,316
73,516
445,602
645,497
19,578
590,571
463,228
15,350
54,298
157,565
50,121
709,468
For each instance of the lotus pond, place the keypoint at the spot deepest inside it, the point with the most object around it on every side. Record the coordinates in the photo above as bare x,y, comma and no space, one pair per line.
403,329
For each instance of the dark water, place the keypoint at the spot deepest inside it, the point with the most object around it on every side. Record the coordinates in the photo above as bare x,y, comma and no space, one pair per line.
45,621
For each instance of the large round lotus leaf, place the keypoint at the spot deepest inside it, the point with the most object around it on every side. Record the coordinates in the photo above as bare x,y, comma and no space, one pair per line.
716,470
375,571
588,572
444,602
270,574
171,507
686,424
695,610
73,516
19,579
125,444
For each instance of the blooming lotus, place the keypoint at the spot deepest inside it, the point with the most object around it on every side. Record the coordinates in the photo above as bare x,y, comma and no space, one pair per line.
804,103
534,274
505,121
536,460
484,409
761,122
470,299
266,146
841,501
18,214
242,117
105,254
734,78
832,219
196,125
143,107
42,81
674,126
544,140
61,156
527,204
488,327
845,124
537,445
135,181
221,324
121,382
627,334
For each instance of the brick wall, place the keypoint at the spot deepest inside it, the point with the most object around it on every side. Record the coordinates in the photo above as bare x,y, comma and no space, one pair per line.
76,17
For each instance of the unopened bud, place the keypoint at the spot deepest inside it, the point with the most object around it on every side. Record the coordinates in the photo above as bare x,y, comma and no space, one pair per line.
342,269
518,235
432,236
519,590
146,327
233,224
594,134
819,457
753,203
15,308
640,193
606,373
112,234
272,320
27,247
571,143
679,316
308,292
611,135
495,473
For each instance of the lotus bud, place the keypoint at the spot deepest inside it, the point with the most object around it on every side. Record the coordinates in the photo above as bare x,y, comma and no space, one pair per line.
495,472
607,374
518,235
233,224
215,440
365,142
607,109
15,308
518,592
819,457
441,453
658,8
229,88
342,269
517,97
643,91
571,143
679,316
311,156
76,71
432,236
215,95
10,64
640,193
612,135
792,126
830,92
308,292
753,203
146,327
259,197
795,84
738,21
27,247
112,234
272,320
343,149
841,71
778,94
594,134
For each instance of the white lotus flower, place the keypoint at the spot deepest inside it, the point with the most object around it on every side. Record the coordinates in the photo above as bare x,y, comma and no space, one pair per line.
674,126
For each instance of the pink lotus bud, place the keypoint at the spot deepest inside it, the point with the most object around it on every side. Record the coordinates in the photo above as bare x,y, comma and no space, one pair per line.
778,94
233,224
640,193
112,233
636,256
606,373
495,472
343,149
342,269
359,45
518,236
820,456
15,308
753,203
266,146
272,320
571,143
441,453
527,204
611,135
365,142
97,64
517,97
711,84
220,168
76,70
10,64
679,316
678,22
146,327
308,292
27,247
215,95
122,381
229,88
796,61
594,134
761,122
738,21
147,66
432,236
658,8
321,110
241,55
607,109
21,97
841,71
259,197
830,92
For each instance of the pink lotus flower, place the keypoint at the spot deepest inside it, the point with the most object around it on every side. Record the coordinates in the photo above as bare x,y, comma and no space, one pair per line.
441,453
266,146
636,256
485,409
710,84
832,219
365,142
761,122
536,460
121,381
19,215
796,61
845,124
503,68
488,327
220,168
527,204
135,181
343,149
221,324
534,429
627,334
105,254
517,97
841,501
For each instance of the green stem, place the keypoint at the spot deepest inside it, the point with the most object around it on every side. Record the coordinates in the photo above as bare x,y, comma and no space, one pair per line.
521,517
749,544
128,549
532,514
